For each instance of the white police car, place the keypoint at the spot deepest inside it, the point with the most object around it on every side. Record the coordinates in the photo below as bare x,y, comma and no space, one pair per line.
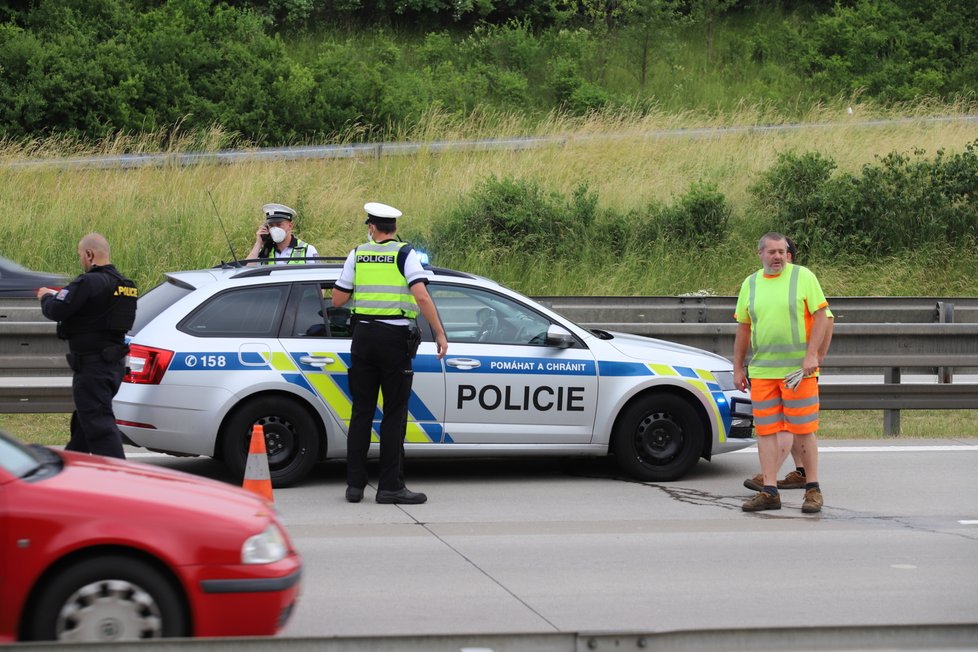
216,351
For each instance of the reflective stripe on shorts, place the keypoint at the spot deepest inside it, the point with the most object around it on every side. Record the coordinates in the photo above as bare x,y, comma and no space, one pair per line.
778,409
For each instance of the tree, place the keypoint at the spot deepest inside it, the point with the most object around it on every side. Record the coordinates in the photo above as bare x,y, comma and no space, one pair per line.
707,12
646,20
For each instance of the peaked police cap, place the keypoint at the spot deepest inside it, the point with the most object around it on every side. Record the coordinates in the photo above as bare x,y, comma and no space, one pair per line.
381,212
278,212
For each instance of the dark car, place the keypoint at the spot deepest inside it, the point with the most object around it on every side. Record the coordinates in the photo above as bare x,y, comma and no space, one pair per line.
18,281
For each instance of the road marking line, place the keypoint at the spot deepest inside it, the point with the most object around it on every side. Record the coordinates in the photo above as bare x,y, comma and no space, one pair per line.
885,449
968,522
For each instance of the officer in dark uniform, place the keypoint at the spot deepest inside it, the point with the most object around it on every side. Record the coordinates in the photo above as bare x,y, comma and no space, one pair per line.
389,288
94,313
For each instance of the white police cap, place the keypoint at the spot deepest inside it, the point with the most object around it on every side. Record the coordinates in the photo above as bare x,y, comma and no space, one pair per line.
381,211
278,212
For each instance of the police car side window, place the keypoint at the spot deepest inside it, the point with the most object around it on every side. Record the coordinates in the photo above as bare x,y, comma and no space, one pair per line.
243,312
474,315
309,320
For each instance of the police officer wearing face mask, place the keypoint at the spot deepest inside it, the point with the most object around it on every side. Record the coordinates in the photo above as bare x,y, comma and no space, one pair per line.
274,242
94,312
388,286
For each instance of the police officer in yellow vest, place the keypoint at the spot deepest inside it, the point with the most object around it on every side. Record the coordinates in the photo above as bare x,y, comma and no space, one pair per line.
388,286
274,241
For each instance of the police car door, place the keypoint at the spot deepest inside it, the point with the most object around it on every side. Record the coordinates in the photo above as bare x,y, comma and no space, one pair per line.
320,348
504,384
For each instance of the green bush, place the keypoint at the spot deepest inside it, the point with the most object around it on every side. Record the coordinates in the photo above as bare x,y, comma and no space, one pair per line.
700,218
792,192
92,69
896,205
516,216
895,50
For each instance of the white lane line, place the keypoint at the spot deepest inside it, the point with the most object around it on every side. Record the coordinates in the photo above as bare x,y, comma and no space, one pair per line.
968,522
884,449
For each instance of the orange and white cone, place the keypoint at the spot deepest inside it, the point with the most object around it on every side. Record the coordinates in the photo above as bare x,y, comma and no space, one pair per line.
257,477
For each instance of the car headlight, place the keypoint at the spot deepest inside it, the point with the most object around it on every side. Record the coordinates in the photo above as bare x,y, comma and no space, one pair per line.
265,548
725,380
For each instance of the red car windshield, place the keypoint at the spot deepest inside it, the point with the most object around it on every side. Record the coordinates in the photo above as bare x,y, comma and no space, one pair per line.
17,459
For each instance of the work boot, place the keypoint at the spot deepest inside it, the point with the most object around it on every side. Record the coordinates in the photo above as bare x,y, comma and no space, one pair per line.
813,501
761,501
793,480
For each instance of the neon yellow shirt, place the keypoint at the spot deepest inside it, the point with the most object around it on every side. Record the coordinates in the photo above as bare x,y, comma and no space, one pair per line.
779,310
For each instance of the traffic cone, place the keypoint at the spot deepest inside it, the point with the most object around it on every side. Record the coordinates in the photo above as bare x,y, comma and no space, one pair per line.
257,477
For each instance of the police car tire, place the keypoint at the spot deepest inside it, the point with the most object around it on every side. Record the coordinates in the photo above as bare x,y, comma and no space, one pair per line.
291,438
658,438
128,588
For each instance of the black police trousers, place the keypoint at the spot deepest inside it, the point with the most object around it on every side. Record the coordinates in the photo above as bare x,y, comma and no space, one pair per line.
381,361
93,427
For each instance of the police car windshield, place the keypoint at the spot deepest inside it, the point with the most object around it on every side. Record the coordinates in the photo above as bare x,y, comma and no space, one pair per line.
156,301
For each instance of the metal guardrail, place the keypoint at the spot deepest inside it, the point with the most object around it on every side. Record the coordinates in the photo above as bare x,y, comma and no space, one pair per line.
948,638
697,309
408,148
35,378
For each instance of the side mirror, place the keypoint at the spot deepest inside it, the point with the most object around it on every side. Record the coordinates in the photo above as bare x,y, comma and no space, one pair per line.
559,336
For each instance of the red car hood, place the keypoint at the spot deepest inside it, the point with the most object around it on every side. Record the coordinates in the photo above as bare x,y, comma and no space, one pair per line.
140,488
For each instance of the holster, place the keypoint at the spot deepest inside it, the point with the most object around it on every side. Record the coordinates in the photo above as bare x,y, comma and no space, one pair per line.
115,352
413,339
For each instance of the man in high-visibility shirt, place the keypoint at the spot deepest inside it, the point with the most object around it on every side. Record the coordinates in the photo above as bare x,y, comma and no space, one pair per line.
796,479
782,317
389,289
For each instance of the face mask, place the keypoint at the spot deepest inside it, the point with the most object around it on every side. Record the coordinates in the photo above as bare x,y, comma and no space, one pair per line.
277,233
369,237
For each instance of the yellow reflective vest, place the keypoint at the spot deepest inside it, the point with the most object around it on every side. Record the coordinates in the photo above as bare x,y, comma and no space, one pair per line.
379,286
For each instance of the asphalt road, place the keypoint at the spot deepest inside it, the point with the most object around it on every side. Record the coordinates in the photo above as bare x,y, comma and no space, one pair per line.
516,546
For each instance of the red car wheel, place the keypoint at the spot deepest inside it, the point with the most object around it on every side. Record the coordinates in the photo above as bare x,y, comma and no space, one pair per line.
108,599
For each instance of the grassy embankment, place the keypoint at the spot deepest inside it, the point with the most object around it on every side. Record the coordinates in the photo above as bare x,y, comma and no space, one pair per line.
160,218
52,429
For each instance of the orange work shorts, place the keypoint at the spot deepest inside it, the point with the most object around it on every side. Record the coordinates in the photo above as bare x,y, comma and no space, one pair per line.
779,409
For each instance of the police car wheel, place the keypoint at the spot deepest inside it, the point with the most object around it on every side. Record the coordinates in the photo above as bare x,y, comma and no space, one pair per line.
658,438
291,438
112,598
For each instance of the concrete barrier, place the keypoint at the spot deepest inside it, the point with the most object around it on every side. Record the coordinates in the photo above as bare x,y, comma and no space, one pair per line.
950,637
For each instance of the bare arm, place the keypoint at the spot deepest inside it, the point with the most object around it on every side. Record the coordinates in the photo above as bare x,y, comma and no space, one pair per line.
823,350
820,330
340,297
427,307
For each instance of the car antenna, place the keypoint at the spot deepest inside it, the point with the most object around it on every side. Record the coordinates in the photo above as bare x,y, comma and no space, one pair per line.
221,222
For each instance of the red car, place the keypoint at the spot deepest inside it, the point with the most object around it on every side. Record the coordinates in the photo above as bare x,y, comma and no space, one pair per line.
97,549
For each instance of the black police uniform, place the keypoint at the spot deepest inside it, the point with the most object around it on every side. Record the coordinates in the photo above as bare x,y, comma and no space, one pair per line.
94,312
381,355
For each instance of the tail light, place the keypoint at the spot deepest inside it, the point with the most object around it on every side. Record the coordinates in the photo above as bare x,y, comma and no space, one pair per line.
147,365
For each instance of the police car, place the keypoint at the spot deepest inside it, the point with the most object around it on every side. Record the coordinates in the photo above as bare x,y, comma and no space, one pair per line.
217,351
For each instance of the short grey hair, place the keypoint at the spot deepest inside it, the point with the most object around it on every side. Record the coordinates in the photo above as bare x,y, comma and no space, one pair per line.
770,235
